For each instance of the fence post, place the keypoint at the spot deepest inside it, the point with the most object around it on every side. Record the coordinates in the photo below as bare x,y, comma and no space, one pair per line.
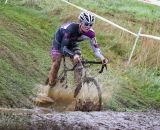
6,1
134,46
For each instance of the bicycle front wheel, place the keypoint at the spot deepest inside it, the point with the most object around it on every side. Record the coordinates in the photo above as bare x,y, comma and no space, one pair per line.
88,95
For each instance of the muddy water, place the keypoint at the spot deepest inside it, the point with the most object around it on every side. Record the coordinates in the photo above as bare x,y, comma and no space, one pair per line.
82,121
103,121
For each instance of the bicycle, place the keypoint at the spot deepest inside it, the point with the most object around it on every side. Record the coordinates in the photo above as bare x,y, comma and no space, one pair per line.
83,101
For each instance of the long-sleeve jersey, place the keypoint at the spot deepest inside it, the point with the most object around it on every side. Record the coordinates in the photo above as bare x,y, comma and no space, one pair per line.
69,34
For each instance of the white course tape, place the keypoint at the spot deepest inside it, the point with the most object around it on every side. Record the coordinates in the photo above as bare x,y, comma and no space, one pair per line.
150,36
101,18
124,29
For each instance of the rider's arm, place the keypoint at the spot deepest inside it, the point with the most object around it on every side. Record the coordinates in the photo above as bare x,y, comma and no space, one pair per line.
68,52
95,48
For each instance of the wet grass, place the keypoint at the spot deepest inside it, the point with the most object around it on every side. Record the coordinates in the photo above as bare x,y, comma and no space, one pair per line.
24,58
10,121
140,90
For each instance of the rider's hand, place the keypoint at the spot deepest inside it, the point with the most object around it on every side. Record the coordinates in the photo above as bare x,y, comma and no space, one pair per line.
76,58
104,61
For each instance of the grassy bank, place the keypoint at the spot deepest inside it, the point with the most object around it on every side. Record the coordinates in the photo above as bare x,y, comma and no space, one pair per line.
25,41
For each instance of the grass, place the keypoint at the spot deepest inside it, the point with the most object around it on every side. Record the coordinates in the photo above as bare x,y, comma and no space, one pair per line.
26,35
138,9
24,58
11,121
146,84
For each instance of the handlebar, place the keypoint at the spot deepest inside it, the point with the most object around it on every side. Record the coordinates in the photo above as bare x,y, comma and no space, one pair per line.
90,62
95,62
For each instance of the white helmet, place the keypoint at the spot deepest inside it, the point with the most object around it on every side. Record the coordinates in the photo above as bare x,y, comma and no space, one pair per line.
86,18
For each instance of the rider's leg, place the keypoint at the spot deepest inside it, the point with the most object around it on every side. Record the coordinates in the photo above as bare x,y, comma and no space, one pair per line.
56,61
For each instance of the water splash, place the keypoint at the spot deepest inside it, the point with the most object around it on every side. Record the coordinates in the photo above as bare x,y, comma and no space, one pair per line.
57,98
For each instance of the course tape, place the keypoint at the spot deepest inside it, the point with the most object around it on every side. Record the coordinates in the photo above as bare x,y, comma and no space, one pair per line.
150,36
116,25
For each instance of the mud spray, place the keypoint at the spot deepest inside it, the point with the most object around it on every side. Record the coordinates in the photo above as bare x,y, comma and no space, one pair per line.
57,98
62,99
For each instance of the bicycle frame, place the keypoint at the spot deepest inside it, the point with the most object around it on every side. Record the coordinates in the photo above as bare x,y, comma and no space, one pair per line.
84,62
65,69
85,79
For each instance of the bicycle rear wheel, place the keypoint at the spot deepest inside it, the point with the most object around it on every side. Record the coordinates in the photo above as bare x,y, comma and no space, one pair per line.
88,95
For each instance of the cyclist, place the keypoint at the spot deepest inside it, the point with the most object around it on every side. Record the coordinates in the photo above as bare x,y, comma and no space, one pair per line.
65,43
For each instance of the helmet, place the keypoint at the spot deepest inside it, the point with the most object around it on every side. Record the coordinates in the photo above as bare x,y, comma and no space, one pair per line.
86,18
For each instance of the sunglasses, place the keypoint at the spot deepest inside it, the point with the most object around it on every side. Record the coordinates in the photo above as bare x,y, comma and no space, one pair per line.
88,24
